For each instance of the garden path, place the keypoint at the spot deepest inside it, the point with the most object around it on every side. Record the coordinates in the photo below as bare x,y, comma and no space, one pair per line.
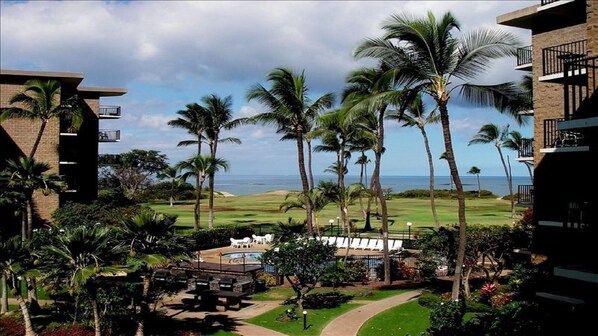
349,323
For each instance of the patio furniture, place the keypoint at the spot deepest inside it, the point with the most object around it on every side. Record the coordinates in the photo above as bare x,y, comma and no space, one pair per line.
236,242
259,239
372,244
363,244
397,246
269,238
340,242
355,243
331,241
246,242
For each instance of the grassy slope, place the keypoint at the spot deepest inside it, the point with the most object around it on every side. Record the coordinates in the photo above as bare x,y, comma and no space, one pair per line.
406,319
281,294
263,209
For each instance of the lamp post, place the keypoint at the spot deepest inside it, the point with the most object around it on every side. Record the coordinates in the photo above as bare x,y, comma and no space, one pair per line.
331,223
220,255
198,254
338,221
409,233
305,320
243,263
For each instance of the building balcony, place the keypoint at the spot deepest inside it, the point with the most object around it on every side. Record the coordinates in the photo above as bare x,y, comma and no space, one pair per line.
109,112
524,58
574,215
108,135
555,57
581,96
544,11
526,150
525,195
556,140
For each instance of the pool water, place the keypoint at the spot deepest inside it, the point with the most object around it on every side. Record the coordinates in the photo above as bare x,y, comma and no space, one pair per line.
238,255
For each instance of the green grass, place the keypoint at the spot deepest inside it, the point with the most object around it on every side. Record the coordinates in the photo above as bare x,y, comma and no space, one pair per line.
407,319
262,209
317,319
281,294
41,293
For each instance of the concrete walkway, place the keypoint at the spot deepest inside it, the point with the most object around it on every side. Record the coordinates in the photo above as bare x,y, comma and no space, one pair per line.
349,323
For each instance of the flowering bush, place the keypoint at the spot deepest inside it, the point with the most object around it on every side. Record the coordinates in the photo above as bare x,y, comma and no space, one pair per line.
499,300
488,289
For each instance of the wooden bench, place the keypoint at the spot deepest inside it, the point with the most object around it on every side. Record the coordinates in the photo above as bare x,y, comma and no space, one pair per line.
211,298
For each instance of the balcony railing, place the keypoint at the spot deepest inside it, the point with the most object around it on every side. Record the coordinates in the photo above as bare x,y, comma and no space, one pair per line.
108,135
554,138
524,55
546,2
580,95
527,148
554,58
525,194
109,111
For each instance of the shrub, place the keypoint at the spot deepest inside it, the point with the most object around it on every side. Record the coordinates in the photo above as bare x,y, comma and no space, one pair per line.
341,273
322,300
74,214
208,239
429,300
446,319
398,271
444,193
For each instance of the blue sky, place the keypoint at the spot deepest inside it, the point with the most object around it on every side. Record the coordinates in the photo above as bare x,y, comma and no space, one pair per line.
170,53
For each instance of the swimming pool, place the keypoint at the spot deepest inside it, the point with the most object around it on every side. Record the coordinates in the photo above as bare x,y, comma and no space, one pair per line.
251,257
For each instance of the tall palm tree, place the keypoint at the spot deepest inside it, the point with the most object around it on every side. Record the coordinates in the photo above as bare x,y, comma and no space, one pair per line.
172,174
318,199
15,263
199,167
427,58
492,134
476,171
42,101
515,142
363,161
290,108
152,243
25,176
367,97
193,121
415,115
80,256
219,117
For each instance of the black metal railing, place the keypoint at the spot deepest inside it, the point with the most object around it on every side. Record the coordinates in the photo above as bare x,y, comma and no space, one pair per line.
525,194
108,135
110,111
527,148
546,2
554,58
524,55
580,95
554,138
551,133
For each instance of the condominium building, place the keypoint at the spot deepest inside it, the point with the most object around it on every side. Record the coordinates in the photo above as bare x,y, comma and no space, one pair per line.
71,153
563,58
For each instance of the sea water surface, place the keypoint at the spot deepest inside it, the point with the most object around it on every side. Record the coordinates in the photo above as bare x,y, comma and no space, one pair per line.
253,184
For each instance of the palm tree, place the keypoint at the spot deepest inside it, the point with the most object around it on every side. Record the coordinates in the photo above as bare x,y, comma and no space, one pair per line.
476,171
492,134
193,121
25,176
218,118
80,256
368,96
363,161
172,174
42,100
290,109
15,263
415,116
515,142
318,199
425,56
199,167
445,158
152,243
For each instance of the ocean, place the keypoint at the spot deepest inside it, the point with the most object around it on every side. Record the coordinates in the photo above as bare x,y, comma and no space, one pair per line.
253,184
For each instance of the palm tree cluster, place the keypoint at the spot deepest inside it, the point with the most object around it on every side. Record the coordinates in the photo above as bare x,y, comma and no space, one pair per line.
79,260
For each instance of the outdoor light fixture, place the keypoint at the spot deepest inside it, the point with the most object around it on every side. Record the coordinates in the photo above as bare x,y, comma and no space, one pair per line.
331,221
305,320
198,254
338,221
409,227
220,255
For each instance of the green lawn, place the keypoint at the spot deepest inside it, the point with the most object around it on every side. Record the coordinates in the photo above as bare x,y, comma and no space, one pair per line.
281,294
262,209
41,293
407,319
317,319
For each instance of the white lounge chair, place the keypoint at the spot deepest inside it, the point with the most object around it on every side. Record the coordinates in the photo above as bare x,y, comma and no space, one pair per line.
372,244
246,242
269,238
331,240
236,242
355,243
363,244
397,246
340,242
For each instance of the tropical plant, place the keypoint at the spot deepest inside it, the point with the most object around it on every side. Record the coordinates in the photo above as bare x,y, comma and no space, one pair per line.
423,54
415,115
80,257
24,176
193,121
218,117
290,109
516,142
42,100
16,263
492,134
172,174
152,243
199,167
476,171
316,197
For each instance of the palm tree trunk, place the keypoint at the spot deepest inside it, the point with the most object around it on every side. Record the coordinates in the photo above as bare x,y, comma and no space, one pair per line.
448,144
529,170
24,223
32,294
144,304
4,309
211,202
431,167
40,133
309,165
378,187
29,231
96,317
26,317
304,181
509,184
479,187
171,198
196,209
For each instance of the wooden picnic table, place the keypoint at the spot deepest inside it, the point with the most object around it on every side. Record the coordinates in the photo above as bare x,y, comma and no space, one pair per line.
211,298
